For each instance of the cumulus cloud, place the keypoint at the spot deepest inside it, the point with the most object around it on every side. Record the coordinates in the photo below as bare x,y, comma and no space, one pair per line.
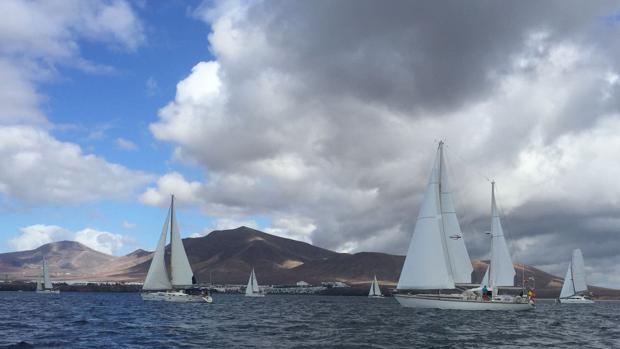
38,168
186,192
102,241
330,128
63,173
36,235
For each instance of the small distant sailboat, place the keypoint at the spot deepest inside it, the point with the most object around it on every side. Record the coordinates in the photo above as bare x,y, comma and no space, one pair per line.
179,286
375,291
252,289
437,258
575,286
45,285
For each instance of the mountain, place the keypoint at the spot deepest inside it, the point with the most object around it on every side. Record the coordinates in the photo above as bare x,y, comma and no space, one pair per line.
227,256
66,259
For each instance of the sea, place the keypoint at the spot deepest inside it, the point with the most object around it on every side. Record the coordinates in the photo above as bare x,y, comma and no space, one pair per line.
123,320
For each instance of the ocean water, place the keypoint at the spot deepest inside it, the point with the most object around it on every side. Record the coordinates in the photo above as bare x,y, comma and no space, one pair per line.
115,320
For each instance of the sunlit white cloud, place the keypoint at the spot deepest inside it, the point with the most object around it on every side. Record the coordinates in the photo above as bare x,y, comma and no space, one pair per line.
34,236
331,132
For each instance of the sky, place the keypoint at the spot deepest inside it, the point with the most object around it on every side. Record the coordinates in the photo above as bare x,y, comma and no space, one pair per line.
315,120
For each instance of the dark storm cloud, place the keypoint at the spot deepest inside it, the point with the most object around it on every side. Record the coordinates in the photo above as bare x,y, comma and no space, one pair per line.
325,115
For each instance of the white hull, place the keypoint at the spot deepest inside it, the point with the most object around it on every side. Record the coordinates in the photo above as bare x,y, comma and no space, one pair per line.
457,303
376,297
576,300
175,296
255,295
48,291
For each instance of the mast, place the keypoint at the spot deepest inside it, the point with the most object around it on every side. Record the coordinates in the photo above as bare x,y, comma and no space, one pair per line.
491,279
442,225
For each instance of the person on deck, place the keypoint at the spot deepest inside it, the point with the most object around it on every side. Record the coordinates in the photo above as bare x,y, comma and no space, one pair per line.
484,293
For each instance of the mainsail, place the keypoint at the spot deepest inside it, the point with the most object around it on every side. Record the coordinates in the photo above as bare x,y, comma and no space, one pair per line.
457,252
374,288
502,272
575,280
437,257
181,271
157,277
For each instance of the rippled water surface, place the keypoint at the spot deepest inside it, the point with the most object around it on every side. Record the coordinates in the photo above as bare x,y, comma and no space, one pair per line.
105,320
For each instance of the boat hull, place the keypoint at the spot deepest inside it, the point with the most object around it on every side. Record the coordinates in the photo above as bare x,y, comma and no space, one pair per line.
175,296
48,291
255,295
576,300
376,297
454,303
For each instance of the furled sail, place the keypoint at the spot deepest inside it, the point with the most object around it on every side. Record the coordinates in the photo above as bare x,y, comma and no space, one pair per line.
47,283
460,263
427,264
157,276
180,269
502,271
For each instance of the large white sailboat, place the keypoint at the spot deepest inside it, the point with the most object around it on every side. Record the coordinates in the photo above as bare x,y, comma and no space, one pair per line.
179,285
44,285
375,291
437,259
575,286
252,289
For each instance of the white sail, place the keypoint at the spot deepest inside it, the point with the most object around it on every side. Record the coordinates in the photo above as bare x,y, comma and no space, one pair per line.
579,273
485,278
255,288
567,286
460,263
427,265
374,288
157,276
47,284
180,269
502,271
248,288
252,287
575,279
